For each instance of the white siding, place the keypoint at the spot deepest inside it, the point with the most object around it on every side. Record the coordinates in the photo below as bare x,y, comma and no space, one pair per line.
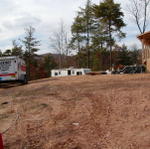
11,70
69,72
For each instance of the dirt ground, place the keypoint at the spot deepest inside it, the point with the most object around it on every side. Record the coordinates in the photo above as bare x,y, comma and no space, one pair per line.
82,112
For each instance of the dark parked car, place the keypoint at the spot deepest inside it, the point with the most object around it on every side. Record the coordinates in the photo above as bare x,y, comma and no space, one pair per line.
130,70
133,69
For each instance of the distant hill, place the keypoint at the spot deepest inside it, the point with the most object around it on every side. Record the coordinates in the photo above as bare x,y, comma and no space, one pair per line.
69,60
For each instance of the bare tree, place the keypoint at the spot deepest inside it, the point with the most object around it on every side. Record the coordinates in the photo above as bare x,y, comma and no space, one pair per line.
59,42
139,10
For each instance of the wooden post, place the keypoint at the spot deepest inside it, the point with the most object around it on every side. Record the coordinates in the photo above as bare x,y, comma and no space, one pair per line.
1,142
143,51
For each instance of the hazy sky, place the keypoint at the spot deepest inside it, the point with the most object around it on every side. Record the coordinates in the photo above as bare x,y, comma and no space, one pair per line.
45,16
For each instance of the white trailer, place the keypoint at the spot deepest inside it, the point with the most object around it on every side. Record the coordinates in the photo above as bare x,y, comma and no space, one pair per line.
12,68
69,72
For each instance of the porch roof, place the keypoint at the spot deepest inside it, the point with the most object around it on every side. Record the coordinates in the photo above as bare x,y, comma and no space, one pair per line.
145,38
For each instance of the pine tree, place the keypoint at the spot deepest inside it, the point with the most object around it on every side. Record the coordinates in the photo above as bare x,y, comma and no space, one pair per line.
30,44
82,30
49,64
124,56
16,49
7,52
111,16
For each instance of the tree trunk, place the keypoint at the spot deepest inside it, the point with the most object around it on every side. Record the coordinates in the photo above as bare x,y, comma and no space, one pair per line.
110,45
87,45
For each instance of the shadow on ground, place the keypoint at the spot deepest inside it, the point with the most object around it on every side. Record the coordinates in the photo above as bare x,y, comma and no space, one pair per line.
44,80
15,84
9,85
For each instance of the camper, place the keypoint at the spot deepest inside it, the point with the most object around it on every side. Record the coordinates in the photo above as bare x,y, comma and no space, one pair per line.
12,68
69,72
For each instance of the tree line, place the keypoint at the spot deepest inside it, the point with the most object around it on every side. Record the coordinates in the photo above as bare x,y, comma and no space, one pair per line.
26,48
95,31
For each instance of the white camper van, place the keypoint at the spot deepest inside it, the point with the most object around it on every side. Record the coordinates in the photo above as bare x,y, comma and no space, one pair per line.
12,68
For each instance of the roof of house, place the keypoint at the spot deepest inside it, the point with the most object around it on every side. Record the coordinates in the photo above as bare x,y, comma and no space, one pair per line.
64,69
8,57
145,38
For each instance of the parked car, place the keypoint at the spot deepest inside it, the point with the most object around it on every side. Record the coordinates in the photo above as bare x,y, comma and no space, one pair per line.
131,70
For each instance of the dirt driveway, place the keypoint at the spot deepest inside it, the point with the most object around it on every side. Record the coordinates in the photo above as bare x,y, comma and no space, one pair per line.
82,112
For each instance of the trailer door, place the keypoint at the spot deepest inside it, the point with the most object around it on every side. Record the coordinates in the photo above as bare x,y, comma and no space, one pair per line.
8,69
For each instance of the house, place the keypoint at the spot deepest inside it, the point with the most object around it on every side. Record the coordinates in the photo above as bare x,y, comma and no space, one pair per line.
145,40
69,72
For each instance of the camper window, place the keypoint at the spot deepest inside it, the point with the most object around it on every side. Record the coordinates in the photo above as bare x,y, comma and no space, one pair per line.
56,73
72,71
79,73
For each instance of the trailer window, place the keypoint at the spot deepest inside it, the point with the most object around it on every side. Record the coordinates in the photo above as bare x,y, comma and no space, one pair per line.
4,65
56,74
79,73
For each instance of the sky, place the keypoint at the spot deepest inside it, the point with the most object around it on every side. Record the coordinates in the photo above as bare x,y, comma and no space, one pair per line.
45,16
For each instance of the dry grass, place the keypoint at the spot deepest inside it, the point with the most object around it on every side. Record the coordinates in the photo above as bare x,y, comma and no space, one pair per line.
85,112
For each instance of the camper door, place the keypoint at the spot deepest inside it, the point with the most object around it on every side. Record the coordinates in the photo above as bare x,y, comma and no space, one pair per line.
8,69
